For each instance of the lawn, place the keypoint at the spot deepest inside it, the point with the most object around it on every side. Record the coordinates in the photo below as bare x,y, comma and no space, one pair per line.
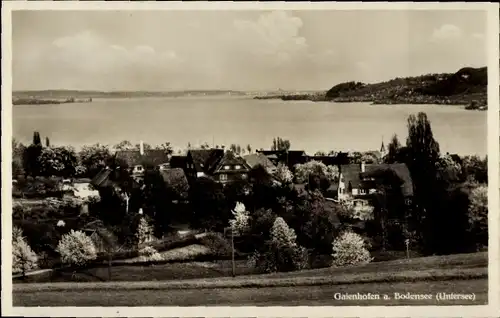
269,296
467,263
194,284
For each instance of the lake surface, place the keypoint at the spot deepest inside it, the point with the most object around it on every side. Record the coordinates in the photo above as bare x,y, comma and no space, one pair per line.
241,120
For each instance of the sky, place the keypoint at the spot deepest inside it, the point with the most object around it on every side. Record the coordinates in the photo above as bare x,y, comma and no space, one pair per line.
238,50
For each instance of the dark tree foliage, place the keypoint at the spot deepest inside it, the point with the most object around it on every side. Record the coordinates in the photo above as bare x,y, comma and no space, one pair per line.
210,210
422,156
280,144
30,157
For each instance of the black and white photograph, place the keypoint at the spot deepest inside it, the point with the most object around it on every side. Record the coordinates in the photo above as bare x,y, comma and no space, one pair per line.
278,156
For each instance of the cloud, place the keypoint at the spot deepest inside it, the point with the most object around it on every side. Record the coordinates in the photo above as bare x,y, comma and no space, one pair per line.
446,32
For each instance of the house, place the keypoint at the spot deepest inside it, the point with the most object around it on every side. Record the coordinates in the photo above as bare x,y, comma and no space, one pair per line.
287,157
359,180
178,162
231,168
139,160
202,162
257,159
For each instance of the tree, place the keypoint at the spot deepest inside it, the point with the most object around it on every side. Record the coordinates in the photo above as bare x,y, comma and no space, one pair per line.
47,142
476,168
478,214
144,232
58,161
209,205
37,141
167,147
316,223
123,145
422,156
104,240
23,257
18,150
30,157
240,223
393,150
313,172
76,248
283,174
281,252
350,249
320,153
94,158
249,149
145,146
388,200
280,144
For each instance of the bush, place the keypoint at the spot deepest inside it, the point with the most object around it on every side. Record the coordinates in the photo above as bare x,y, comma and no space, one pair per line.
23,257
478,214
76,248
149,254
281,253
283,235
350,249
278,258
217,244
144,232
240,222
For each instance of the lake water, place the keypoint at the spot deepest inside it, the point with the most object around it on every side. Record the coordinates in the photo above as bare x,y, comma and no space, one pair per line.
241,120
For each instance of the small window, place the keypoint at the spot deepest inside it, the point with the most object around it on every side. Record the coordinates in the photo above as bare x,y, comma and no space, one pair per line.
244,176
223,177
227,167
237,167
362,191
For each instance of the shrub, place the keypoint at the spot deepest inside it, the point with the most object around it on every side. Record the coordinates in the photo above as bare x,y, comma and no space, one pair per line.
283,235
23,257
478,214
149,254
350,249
281,253
217,244
278,258
144,231
240,222
76,248
283,174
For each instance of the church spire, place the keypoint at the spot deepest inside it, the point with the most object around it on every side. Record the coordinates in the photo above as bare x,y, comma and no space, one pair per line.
382,147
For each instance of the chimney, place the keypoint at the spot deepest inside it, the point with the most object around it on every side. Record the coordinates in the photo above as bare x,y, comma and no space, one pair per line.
362,166
141,147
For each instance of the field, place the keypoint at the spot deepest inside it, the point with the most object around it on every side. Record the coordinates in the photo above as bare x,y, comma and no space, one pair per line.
465,274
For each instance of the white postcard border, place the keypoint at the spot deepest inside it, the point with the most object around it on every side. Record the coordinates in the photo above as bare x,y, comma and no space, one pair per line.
491,309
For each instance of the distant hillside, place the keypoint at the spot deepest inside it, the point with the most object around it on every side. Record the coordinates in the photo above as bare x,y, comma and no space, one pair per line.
468,87
463,87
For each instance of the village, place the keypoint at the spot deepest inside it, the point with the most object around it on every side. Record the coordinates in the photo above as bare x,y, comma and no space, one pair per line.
138,213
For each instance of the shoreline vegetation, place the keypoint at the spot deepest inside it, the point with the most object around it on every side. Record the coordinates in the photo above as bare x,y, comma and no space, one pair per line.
466,87
42,101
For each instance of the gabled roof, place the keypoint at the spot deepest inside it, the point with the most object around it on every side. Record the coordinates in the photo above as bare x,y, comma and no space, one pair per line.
151,157
259,159
101,179
130,157
205,160
352,174
401,171
232,160
178,161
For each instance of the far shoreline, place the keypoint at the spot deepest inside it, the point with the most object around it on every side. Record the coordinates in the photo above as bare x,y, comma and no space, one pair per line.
439,102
